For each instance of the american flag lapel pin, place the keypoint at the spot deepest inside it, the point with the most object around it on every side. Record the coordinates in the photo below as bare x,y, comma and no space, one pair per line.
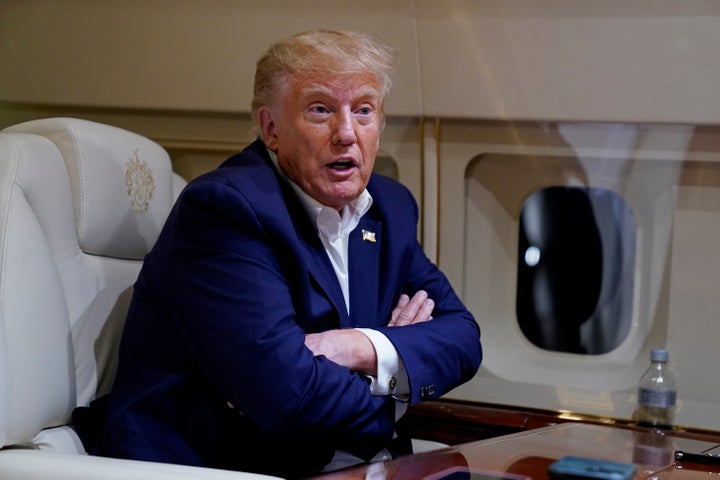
368,236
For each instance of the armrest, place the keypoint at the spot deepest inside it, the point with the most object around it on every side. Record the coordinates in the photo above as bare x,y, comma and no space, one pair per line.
41,465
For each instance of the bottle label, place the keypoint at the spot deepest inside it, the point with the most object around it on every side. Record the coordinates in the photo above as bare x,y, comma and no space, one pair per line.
657,398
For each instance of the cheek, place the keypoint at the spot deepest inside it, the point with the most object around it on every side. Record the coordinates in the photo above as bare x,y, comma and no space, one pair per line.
371,136
370,148
310,142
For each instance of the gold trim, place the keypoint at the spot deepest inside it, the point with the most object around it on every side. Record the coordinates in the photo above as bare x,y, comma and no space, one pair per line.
438,186
78,109
200,145
421,142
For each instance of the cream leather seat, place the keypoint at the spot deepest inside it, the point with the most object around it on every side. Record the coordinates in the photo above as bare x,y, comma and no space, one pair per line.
80,205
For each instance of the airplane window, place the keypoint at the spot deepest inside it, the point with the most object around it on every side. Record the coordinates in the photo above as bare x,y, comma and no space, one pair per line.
576,255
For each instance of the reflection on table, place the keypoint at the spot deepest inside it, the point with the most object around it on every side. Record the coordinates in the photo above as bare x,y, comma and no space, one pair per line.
528,454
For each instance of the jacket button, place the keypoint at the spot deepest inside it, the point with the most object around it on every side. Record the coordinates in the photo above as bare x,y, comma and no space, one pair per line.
427,391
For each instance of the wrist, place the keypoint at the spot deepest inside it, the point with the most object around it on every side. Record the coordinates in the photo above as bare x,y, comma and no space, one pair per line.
364,354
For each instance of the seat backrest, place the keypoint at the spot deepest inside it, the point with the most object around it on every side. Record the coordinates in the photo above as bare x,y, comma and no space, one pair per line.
81,203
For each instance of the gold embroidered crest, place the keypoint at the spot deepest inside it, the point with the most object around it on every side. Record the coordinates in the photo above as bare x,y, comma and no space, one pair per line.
139,183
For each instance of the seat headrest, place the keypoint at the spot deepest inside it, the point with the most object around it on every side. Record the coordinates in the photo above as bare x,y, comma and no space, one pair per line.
121,184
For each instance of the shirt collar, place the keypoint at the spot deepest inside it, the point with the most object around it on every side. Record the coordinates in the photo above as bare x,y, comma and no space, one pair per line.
351,212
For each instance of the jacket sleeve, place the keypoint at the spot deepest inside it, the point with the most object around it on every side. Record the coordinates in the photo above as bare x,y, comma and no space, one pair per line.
444,352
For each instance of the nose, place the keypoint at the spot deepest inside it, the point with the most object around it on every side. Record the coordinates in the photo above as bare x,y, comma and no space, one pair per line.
344,128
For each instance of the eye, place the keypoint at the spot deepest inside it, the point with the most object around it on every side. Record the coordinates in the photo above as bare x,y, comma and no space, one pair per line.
364,110
319,109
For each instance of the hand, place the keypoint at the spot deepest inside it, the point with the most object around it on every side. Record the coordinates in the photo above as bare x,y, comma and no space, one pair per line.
348,347
415,310
353,349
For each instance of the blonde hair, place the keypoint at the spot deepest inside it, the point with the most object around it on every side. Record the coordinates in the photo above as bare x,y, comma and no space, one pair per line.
321,52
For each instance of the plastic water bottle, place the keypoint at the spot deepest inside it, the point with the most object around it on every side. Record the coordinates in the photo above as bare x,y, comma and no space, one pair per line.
657,393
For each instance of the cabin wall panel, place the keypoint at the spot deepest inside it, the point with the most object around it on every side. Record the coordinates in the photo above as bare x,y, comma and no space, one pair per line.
602,60
175,54
694,302
607,60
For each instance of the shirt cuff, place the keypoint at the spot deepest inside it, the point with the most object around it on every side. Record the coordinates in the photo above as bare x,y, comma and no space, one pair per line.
392,378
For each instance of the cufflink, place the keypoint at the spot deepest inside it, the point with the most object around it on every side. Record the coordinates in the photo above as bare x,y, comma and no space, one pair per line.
392,383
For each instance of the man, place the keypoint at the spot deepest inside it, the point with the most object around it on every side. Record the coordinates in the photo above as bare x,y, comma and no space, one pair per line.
287,311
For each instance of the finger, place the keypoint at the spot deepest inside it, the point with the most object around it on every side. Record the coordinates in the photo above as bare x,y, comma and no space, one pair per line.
408,314
425,312
402,302
313,341
403,310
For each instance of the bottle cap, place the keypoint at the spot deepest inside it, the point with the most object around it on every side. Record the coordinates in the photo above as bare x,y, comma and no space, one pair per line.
659,355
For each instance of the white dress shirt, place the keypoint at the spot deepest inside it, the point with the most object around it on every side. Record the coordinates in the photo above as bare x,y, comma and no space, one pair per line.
334,229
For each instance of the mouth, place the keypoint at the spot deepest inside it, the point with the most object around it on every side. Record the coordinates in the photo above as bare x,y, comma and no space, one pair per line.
341,165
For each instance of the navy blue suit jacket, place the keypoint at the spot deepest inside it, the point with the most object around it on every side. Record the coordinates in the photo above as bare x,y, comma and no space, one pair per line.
220,310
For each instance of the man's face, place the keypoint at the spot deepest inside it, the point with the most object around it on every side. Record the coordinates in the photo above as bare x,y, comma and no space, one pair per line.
326,134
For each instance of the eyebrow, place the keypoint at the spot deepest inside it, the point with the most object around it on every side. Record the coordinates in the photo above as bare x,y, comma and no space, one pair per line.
314,90
324,90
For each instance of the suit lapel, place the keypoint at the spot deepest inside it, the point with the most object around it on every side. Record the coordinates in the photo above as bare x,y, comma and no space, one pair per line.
364,270
319,266
322,271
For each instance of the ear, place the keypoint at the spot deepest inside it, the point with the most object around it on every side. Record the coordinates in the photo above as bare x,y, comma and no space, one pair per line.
267,128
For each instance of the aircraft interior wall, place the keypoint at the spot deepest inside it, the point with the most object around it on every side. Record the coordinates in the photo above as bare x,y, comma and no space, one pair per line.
494,101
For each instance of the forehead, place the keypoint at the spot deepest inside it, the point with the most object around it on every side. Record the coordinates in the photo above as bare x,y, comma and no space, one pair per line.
340,86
